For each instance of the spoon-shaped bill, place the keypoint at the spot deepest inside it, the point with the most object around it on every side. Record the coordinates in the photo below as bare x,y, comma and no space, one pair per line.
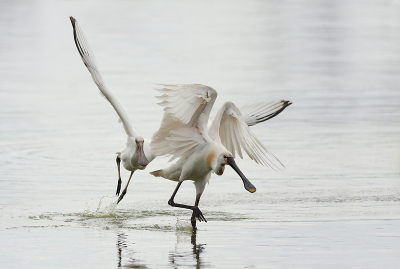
142,158
247,184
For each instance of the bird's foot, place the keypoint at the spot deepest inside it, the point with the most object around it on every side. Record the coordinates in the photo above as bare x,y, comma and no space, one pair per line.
197,214
118,186
121,196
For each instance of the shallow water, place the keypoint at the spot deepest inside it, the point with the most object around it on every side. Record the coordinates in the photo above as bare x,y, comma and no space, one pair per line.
335,205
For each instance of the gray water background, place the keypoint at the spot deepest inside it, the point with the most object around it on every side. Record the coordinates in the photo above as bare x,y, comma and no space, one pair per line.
336,205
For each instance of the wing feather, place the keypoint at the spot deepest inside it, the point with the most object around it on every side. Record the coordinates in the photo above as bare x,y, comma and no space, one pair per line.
179,100
260,112
231,128
235,141
89,60
184,125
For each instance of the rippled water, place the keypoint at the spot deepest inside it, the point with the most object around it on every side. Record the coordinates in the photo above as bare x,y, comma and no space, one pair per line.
336,205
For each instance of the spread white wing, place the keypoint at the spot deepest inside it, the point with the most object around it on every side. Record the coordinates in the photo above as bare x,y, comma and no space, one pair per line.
184,125
230,128
260,112
90,62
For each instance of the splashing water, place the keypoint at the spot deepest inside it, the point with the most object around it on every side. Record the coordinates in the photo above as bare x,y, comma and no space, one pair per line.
104,209
183,225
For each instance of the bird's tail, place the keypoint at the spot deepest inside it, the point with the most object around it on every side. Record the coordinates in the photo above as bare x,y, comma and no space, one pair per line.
157,173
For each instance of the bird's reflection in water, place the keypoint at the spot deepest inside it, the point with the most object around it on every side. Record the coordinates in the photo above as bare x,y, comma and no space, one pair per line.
182,257
122,245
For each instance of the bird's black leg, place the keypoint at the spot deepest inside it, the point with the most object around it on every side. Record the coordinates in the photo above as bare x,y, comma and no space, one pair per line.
119,176
196,211
126,187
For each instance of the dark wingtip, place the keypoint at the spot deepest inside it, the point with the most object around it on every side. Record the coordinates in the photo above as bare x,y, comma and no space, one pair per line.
73,21
286,103
276,113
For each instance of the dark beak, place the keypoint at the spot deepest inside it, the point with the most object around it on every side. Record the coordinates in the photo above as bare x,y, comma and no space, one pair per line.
247,184
142,158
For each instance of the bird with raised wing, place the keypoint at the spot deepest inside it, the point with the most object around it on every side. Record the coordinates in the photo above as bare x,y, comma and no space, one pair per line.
200,150
137,154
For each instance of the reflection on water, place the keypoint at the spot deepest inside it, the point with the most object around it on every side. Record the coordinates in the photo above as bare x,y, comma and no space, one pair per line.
182,256
125,250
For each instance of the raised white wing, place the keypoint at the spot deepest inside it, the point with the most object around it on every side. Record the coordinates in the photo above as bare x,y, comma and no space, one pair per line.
260,112
90,62
184,126
230,128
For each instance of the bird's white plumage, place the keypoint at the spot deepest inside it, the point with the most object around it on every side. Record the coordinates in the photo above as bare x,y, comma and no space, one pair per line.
90,62
201,151
182,101
230,128
184,126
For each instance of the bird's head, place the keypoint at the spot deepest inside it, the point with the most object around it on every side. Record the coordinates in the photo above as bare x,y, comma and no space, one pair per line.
226,158
219,161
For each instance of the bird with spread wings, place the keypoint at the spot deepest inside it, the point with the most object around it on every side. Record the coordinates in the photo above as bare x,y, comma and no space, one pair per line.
184,106
201,151
137,154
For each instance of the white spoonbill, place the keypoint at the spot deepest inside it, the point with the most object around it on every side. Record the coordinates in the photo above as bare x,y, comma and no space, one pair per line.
137,153
184,134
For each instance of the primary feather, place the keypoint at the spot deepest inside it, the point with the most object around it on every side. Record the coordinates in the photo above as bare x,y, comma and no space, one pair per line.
90,62
260,112
230,128
184,126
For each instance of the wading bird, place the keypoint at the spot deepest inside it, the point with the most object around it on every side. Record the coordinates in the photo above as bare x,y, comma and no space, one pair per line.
201,150
137,154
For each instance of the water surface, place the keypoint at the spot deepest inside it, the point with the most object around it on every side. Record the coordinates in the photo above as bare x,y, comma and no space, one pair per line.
335,205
